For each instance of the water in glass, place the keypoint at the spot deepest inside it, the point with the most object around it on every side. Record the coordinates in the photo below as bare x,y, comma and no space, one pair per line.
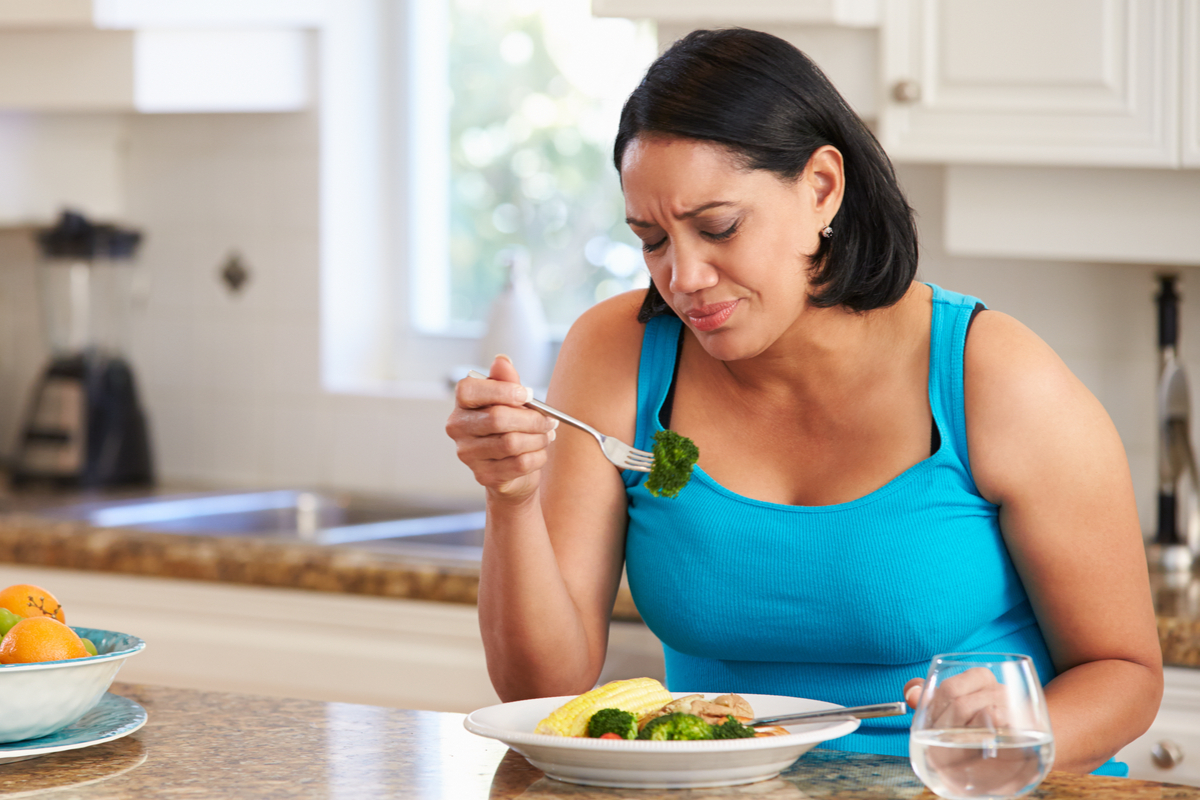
981,729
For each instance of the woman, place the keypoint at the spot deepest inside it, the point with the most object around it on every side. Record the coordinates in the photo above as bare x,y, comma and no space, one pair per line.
874,485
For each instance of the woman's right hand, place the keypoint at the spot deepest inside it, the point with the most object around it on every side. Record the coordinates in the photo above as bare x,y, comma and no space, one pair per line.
503,442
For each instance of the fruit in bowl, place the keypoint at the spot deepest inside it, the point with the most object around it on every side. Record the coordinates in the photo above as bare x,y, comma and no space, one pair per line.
49,677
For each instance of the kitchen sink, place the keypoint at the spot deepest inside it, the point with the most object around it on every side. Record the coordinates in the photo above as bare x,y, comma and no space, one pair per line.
388,524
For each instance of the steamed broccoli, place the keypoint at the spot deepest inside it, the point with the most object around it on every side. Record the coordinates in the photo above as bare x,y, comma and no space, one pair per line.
612,720
732,729
674,457
676,727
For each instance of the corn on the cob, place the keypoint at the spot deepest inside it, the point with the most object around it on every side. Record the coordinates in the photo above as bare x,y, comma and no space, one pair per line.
638,696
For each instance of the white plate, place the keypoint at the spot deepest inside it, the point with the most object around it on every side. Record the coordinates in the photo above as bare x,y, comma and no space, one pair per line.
658,765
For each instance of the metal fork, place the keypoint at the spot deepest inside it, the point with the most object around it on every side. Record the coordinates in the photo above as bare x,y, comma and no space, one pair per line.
616,451
854,712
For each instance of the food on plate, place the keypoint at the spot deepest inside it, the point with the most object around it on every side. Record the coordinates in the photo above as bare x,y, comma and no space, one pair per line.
674,457
27,600
712,711
612,723
642,708
733,729
638,696
36,639
676,726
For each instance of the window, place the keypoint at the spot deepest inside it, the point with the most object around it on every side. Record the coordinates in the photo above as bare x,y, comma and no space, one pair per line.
456,134
535,91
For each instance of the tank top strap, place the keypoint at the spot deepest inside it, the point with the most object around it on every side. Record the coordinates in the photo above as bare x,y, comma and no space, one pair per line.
952,314
660,345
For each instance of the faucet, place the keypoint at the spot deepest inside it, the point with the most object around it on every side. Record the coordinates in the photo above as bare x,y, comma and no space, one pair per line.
1176,459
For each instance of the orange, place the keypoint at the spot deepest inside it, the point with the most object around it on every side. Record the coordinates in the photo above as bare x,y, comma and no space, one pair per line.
27,600
40,639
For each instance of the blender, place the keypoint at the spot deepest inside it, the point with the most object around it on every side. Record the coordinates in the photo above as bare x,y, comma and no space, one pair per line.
85,426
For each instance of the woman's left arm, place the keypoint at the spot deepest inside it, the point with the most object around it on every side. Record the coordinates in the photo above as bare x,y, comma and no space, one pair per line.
1044,450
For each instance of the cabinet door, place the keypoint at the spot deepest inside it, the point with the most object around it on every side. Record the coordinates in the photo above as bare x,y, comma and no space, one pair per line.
1168,751
1191,83
1026,81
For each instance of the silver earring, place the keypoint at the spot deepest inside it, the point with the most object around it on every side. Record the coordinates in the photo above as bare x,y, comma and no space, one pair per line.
827,232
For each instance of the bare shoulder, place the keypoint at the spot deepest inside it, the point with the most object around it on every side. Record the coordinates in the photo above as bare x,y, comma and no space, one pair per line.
1028,416
595,376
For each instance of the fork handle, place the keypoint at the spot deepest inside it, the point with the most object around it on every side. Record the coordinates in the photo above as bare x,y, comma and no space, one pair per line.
549,411
854,712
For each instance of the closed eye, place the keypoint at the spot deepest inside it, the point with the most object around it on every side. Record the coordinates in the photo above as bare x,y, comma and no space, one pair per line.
650,247
723,235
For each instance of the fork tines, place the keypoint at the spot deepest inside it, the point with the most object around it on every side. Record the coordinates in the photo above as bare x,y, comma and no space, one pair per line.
639,460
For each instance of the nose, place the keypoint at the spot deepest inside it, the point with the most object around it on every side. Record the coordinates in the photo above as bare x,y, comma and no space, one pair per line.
690,270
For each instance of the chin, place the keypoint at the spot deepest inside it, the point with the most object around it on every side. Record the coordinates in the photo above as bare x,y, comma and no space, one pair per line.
724,345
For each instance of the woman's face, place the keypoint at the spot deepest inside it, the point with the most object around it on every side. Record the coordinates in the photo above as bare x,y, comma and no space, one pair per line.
727,247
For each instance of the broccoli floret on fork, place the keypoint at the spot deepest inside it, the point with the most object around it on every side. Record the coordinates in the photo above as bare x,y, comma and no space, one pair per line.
674,457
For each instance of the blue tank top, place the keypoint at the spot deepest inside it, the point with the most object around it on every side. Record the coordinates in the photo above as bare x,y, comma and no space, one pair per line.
843,603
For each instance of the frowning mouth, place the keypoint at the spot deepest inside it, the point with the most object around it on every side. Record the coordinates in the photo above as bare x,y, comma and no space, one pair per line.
710,317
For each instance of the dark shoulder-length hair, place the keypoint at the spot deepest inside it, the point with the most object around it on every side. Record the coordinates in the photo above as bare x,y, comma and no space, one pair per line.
772,107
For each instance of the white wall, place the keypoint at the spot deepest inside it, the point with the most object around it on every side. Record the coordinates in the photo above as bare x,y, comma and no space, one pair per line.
1100,318
231,382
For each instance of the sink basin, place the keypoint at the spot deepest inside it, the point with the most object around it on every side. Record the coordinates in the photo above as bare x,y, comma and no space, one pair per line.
389,524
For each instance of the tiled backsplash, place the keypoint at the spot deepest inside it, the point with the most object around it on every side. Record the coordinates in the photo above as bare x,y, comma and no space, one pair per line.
231,381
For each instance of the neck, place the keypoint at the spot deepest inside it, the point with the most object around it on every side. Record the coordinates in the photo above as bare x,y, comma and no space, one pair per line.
832,354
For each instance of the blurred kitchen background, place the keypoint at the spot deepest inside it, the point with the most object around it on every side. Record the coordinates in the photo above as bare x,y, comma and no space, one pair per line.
324,211
374,169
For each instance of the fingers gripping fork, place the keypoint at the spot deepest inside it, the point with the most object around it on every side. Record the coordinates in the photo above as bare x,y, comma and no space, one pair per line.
616,451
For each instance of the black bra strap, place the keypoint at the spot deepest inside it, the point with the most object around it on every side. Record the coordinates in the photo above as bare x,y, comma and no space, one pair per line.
664,413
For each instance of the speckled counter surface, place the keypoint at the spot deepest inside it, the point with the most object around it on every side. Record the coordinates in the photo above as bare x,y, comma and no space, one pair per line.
216,745
1177,609
264,561
256,560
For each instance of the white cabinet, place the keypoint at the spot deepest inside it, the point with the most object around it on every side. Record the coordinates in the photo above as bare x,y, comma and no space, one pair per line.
154,71
1191,83
832,12
156,57
291,643
281,642
1170,750
1073,82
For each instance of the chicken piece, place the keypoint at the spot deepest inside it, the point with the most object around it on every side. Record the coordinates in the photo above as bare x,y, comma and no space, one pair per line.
741,708
681,704
712,711
716,710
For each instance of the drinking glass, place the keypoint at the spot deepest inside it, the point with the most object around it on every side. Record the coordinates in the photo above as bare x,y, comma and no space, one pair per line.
981,729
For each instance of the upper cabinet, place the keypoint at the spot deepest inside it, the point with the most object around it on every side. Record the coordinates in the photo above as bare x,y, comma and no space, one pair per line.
1069,82
1191,83
156,56
746,12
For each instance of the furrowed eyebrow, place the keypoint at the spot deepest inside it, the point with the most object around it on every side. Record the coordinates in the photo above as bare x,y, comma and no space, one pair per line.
637,223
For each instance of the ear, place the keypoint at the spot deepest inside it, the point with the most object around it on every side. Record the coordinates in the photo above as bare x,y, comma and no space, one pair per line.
826,178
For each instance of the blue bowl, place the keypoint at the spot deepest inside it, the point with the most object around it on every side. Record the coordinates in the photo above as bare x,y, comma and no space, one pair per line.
39,699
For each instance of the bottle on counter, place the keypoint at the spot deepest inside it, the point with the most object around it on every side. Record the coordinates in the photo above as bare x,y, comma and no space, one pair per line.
517,326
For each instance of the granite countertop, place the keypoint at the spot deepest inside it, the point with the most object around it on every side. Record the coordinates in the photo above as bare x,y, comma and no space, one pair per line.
26,538
1177,609
209,744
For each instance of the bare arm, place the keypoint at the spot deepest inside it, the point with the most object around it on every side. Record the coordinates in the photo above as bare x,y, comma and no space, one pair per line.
554,540
1043,448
